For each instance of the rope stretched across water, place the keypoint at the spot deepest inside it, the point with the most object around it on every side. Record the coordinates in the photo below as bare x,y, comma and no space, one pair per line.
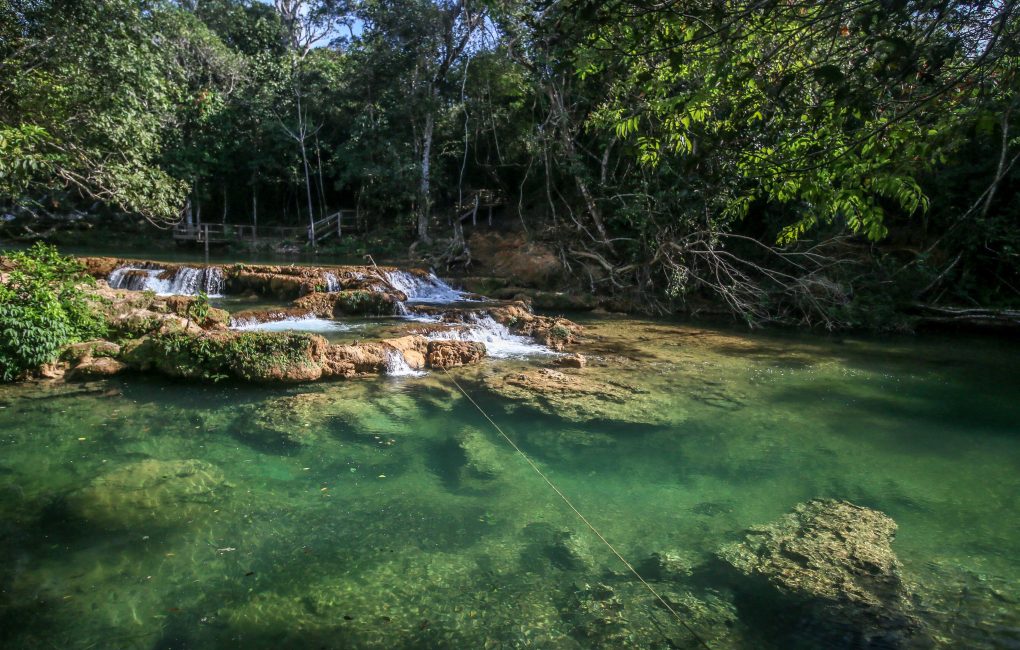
577,512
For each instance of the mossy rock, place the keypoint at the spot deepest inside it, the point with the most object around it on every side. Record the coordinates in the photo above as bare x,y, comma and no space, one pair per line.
90,349
282,357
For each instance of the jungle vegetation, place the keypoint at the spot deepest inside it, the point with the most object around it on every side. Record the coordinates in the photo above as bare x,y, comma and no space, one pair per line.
823,162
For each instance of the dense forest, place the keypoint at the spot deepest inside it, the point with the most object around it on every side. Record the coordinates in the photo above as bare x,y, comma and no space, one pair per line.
823,163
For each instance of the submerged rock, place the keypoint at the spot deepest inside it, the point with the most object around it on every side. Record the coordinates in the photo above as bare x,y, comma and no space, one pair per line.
837,559
827,549
161,492
598,616
578,397
483,459
668,565
563,547
292,420
711,615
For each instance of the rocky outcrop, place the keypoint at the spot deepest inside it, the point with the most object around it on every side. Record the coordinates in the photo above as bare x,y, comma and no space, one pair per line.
577,397
95,368
449,354
555,333
836,559
350,303
77,352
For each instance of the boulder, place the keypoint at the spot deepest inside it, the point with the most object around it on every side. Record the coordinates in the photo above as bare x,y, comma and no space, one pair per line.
827,549
94,368
836,559
77,352
575,360
449,354
354,360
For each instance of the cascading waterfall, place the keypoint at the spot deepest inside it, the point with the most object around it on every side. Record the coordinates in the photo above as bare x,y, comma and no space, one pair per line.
138,279
396,366
419,289
186,281
332,282
500,342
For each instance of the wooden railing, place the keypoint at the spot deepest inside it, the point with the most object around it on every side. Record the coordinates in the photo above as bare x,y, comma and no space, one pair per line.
335,224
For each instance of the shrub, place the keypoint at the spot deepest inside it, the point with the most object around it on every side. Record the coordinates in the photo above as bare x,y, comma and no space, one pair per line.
43,306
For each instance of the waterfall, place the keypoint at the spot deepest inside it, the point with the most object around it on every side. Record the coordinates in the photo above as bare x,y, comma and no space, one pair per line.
186,281
332,283
396,366
138,279
418,289
499,342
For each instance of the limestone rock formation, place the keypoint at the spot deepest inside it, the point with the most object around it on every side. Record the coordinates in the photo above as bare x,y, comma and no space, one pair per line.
449,354
95,367
827,549
835,559
578,397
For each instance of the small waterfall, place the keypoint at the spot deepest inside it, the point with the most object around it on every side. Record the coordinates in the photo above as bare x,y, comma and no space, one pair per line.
332,283
138,279
418,289
396,366
186,281
499,342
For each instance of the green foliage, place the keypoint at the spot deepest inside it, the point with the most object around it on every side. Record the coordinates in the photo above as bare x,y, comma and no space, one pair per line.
248,355
256,355
43,307
198,309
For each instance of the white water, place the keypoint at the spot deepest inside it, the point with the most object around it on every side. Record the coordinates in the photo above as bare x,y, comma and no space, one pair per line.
418,289
186,281
293,324
499,342
332,283
396,366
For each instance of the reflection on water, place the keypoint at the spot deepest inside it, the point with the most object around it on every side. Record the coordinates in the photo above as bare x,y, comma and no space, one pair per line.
385,513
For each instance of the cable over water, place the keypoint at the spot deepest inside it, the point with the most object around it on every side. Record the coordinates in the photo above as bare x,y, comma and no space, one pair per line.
580,516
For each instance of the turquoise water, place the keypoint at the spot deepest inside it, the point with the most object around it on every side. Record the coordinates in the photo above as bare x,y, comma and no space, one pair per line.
141,513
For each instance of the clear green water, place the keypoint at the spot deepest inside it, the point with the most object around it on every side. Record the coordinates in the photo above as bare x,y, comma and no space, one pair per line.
349,517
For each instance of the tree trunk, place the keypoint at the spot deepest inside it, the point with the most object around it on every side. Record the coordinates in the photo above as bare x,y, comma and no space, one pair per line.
254,209
424,202
308,177
322,186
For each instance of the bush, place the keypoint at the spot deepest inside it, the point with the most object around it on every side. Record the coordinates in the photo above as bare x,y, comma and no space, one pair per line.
43,307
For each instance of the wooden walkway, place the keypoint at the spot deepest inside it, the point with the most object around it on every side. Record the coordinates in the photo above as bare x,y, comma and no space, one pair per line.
338,223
